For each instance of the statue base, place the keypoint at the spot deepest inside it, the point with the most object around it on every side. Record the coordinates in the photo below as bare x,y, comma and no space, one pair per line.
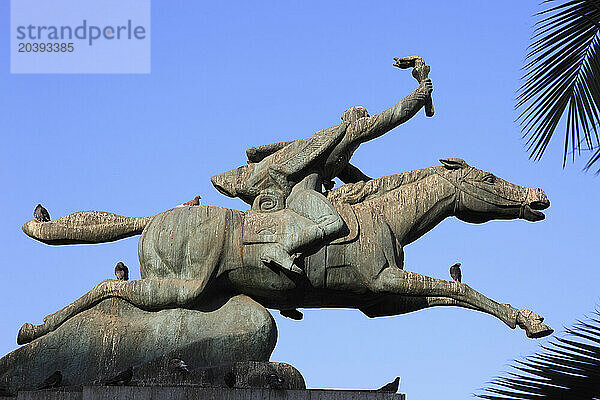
114,335
185,393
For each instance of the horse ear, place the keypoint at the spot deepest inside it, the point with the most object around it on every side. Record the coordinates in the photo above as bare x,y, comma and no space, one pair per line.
454,163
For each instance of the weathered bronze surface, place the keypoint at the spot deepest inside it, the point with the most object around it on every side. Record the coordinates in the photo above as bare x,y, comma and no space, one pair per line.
185,253
298,246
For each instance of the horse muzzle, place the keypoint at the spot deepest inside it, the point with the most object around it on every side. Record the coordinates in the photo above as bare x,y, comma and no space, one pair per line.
535,200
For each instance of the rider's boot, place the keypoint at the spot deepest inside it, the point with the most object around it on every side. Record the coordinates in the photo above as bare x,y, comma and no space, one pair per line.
275,253
327,224
283,253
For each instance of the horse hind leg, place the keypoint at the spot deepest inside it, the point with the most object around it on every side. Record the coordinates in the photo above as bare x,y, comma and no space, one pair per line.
146,294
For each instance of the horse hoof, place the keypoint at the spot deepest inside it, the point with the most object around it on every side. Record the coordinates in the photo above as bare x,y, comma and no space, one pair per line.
532,324
539,330
26,333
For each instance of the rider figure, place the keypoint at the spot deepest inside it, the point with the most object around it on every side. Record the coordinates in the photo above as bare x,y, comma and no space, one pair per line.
291,174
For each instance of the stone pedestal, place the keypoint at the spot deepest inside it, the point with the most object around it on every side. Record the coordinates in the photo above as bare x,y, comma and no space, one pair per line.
114,335
187,393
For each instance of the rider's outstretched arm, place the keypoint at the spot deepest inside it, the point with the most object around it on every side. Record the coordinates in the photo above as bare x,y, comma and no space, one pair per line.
369,128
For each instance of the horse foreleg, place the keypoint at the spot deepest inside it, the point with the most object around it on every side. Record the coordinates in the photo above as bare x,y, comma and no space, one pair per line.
397,305
146,294
526,319
406,283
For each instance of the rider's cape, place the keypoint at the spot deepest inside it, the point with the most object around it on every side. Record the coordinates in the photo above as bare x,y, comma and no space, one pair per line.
278,166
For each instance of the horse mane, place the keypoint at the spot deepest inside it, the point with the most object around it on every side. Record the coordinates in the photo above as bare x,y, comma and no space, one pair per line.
353,193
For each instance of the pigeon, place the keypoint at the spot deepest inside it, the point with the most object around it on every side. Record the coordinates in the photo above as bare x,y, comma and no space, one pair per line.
194,202
178,365
274,381
52,381
41,214
122,378
292,314
229,379
455,272
122,272
5,392
391,387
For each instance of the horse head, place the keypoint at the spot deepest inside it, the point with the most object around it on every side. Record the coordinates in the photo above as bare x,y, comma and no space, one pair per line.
481,196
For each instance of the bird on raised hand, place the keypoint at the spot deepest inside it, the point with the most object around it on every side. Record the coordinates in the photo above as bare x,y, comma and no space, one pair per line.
194,202
391,387
52,381
274,381
41,214
455,272
122,272
178,365
122,378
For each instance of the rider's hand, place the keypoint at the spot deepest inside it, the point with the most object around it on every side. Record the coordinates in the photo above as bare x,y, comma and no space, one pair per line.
425,89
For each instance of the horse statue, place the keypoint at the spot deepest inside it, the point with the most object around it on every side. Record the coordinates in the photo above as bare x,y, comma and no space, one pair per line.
188,254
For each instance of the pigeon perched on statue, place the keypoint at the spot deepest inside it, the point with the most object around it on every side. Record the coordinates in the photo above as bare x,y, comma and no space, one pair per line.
274,381
52,381
455,272
194,202
122,378
391,387
5,392
41,214
122,272
229,379
178,365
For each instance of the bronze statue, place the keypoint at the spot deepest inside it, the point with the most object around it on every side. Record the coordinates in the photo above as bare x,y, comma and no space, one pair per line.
209,272
364,270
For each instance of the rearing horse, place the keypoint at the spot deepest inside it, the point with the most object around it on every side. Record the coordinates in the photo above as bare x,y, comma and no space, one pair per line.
188,253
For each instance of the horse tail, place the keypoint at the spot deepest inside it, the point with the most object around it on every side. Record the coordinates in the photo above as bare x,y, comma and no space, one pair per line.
86,227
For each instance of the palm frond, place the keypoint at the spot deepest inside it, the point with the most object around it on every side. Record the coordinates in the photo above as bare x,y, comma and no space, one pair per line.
566,368
562,77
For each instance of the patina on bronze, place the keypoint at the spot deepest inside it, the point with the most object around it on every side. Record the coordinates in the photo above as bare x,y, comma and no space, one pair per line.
184,252
204,263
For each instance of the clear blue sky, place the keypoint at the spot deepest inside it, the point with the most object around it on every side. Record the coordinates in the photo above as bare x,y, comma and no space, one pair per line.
228,75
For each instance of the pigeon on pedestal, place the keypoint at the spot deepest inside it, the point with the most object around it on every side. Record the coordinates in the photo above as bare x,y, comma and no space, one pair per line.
52,381
178,365
122,378
274,381
391,387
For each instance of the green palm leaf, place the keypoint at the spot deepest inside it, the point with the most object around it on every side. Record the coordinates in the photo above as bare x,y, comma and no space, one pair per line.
562,77
567,368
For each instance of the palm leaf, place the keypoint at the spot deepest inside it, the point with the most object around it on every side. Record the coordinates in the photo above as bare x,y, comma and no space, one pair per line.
562,77
566,368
